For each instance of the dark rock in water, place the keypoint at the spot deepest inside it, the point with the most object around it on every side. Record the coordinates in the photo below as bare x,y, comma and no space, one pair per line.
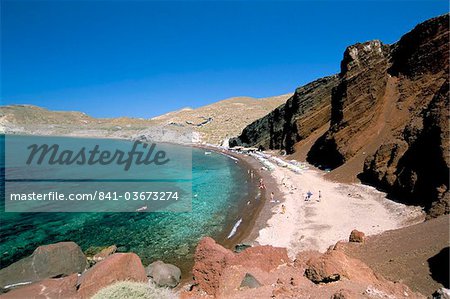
249,281
116,267
164,275
122,249
104,253
97,254
241,247
54,260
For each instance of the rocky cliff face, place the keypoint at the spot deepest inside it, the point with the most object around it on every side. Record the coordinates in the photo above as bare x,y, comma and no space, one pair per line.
303,113
356,104
388,111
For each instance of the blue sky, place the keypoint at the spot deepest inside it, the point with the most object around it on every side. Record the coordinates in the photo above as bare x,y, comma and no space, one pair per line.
145,58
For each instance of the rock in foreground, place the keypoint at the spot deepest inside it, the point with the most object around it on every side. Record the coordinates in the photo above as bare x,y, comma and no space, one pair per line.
220,273
164,275
116,267
54,260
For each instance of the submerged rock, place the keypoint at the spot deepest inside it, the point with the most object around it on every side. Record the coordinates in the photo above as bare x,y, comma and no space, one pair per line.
104,253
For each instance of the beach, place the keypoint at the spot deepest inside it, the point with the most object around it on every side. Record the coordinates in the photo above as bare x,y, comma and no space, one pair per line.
314,224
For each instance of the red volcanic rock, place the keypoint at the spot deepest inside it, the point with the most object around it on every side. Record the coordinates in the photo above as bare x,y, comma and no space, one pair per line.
210,260
47,261
266,258
344,294
116,267
335,265
58,288
213,262
219,273
357,236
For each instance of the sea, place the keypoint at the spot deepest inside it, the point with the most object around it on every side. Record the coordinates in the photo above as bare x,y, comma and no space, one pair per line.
221,187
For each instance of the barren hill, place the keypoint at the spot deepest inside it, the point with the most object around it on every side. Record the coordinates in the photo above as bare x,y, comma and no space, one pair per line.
223,119
213,123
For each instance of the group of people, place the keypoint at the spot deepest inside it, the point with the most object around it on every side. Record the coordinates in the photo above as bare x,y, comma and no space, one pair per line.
309,194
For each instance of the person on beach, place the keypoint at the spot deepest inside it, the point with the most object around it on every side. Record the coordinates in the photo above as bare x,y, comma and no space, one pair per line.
320,196
308,195
272,197
261,184
283,209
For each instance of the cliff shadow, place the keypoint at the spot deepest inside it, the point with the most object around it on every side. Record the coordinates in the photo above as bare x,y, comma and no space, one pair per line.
438,265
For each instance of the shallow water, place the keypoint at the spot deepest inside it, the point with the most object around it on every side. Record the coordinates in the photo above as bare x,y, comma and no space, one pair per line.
218,182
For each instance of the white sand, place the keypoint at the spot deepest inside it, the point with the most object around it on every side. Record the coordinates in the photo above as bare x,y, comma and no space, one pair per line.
313,225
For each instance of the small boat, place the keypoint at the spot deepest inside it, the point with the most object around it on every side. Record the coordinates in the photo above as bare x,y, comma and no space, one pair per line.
207,153
142,209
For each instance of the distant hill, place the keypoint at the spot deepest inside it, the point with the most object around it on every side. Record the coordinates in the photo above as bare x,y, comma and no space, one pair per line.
212,123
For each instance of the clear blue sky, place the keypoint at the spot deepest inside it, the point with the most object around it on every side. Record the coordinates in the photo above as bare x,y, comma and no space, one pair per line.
144,58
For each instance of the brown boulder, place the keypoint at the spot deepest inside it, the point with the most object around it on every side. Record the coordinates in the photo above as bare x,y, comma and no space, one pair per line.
60,259
58,288
334,265
214,264
357,236
116,267
210,260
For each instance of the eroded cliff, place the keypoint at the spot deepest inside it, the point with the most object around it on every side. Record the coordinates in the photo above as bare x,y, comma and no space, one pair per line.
388,111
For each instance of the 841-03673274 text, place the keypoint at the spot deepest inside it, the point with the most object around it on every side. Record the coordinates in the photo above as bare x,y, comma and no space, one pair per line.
98,195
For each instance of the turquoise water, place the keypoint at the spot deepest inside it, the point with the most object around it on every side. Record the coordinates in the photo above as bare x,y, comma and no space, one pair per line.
219,183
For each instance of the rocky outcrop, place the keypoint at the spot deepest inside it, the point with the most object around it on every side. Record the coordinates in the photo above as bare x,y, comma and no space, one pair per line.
357,236
54,260
267,272
388,111
164,275
116,267
213,264
306,111
59,271
355,104
414,165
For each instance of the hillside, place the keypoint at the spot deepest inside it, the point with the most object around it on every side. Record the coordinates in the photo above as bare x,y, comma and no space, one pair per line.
223,119
422,264
211,124
388,118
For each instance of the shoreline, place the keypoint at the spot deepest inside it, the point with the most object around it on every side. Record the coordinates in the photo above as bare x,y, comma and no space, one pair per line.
316,225
306,225
255,215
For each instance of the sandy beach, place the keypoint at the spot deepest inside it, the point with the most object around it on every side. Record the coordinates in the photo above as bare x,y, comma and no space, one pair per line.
314,224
